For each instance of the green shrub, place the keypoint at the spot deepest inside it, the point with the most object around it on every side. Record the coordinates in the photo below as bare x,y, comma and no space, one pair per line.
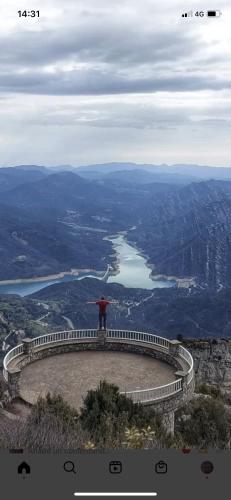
207,424
107,414
210,390
54,405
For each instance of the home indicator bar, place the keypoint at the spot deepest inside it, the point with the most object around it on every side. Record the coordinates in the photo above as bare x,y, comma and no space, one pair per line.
116,495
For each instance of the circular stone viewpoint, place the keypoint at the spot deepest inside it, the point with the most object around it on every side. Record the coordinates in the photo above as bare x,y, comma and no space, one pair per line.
149,369
73,374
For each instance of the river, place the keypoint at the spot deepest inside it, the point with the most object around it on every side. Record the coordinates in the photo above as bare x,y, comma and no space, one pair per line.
133,272
133,269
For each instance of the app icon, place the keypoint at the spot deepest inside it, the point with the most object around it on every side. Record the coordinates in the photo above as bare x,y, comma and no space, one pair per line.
115,467
161,467
69,466
24,469
207,467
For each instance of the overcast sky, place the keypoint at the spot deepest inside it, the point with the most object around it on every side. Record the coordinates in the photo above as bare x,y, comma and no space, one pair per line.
95,81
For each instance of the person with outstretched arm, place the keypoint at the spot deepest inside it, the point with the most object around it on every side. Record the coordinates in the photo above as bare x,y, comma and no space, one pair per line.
103,303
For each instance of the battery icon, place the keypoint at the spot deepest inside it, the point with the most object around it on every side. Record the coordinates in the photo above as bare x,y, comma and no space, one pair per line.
214,13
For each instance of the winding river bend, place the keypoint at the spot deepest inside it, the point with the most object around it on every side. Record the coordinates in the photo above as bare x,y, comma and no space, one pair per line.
133,272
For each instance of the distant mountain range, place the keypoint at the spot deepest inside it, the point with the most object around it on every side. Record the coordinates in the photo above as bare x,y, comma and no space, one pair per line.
182,223
176,171
179,171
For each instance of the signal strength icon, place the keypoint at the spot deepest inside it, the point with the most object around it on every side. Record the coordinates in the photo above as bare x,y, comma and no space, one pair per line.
188,14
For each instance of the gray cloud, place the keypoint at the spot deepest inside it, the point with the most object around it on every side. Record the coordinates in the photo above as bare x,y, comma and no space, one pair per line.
98,82
95,83
106,54
111,44
127,80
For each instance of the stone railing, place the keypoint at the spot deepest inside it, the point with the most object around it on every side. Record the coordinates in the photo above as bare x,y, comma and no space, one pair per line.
45,340
184,354
155,394
138,337
168,350
12,354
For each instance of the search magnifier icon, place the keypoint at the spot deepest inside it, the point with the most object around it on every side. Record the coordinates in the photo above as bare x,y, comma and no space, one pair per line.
69,467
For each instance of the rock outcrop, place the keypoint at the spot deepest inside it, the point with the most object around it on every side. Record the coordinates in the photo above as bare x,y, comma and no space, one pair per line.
212,360
187,233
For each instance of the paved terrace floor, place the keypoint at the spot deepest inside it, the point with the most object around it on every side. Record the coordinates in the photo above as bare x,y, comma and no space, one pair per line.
73,374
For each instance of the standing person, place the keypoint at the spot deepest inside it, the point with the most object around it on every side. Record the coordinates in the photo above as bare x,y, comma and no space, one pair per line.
103,303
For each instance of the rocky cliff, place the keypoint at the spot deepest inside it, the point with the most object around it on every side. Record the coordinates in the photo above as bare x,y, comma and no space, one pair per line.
188,233
212,360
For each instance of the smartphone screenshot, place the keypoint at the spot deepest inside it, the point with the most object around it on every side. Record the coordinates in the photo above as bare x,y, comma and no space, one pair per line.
115,249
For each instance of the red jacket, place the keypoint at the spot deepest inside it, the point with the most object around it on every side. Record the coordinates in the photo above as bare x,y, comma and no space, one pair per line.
102,305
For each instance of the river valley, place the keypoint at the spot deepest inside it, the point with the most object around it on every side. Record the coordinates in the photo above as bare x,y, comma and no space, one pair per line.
132,271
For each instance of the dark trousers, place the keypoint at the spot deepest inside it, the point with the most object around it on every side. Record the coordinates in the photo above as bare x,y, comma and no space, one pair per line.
102,319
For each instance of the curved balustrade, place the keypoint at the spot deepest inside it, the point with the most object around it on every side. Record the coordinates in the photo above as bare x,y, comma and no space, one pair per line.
48,339
189,359
138,337
155,394
12,354
66,335
141,396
